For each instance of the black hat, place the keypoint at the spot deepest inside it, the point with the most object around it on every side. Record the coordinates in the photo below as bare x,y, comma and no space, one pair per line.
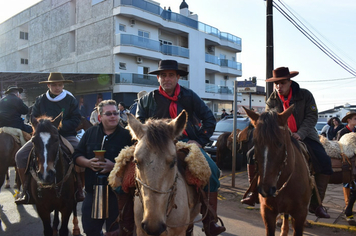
223,110
168,65
13,88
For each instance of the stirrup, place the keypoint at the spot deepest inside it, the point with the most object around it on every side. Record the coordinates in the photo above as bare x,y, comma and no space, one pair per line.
24,199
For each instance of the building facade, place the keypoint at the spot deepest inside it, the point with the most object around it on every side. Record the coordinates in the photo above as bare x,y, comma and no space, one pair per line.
111,45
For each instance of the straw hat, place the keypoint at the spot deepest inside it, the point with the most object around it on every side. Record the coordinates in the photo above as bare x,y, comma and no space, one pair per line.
55,77
141,94
282,73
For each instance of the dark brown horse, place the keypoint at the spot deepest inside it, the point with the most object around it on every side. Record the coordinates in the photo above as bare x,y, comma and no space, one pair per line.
84,124
52,177
284,181
222,150
8,148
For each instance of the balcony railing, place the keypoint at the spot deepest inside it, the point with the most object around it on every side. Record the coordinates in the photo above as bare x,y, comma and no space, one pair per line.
141,42
175,17
223,62
212,88
140,79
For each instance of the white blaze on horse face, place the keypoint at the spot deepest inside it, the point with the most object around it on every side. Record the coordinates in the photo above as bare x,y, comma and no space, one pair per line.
265,155
45,137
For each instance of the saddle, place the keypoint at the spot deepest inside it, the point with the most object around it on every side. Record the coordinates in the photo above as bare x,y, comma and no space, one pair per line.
194,167
21,137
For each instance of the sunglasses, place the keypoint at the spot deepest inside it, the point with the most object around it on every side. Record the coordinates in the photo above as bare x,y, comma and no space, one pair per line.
108,113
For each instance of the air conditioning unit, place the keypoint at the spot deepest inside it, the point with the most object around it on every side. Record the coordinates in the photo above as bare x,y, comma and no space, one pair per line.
132,22
139,60
211,49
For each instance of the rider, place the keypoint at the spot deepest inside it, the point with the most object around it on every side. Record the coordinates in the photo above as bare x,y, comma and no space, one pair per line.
52,103
301,123
167,102
116,138
349,184
11,109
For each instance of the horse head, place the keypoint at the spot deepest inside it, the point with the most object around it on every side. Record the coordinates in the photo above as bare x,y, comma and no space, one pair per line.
46,144
272,141
155,157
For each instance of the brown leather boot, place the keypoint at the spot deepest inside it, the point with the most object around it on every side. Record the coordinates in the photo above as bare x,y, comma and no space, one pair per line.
209,222
126,218
25,197
321,181
252,198
79,194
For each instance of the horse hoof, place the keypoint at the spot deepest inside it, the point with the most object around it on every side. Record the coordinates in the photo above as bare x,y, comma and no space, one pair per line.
7,185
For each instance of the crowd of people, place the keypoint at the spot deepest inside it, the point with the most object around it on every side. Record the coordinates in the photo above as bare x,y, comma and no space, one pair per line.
109,120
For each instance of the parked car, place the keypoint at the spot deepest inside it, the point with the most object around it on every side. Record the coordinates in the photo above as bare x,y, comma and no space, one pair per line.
319,126
226,125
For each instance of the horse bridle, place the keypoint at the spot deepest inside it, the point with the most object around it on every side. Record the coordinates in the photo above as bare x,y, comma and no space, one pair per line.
171,191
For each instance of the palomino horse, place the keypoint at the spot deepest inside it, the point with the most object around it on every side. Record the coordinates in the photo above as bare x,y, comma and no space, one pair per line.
52,177
166,204
284,180
8,149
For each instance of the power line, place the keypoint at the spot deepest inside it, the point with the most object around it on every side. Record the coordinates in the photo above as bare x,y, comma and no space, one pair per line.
324,49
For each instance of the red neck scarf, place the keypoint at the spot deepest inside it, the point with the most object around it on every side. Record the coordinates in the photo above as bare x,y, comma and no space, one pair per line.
173,105
291,120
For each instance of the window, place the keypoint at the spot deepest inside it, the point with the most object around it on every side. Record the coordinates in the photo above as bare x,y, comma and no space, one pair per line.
24,61
122,27
23,35
142,70
122,66
143,34
207,81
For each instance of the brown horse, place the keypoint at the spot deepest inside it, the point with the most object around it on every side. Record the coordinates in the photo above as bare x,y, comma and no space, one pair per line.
222,150
166,205
52,177
84,124
284,180
8,149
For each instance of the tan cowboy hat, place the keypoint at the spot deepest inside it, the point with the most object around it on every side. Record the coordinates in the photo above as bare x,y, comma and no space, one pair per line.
282,73
349,115
168,65
13,88
55,77
141,94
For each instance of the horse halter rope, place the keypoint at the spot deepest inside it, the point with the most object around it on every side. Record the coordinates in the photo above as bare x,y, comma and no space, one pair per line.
171,191
55,185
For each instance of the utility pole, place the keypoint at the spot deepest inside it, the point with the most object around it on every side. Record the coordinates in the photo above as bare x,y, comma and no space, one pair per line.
269,46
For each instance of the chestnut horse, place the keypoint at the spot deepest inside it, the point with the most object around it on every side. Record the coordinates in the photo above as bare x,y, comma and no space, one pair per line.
284,181
166,205
9,147
52,177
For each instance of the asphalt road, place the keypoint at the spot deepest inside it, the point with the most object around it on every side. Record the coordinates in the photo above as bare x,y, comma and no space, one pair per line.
239,220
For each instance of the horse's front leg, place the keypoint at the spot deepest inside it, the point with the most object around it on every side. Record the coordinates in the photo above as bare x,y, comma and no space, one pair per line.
76,229
55,223
269,219
46,219
299,222
285,225
66,212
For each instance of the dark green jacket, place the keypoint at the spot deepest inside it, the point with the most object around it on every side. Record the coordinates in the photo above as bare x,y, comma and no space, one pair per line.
305,110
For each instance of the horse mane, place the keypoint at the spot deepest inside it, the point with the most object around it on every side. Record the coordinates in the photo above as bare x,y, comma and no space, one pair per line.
44,124
158,134
267,129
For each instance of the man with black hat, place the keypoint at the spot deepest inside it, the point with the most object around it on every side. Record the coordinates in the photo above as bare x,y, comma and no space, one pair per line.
349,185
52,103
223,114
302,126
11,109
167,102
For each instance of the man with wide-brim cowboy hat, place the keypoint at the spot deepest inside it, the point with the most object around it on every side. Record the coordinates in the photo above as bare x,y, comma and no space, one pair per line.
167,102
349,186
302,126
52,103
11,109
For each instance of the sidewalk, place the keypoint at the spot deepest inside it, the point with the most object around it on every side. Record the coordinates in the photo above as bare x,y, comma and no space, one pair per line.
334,200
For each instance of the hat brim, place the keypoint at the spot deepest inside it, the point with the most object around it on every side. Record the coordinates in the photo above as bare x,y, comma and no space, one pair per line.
58,81
291,75
14,89
344,120
179,72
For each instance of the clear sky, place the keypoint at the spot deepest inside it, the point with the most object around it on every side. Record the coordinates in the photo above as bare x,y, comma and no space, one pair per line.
331,21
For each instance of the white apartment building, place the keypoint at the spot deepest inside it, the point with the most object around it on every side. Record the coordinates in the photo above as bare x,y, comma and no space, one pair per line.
109,46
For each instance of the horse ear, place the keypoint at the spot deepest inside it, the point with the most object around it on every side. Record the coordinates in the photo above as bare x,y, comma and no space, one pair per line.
283,117
136,128
179,123
57,122
253,116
